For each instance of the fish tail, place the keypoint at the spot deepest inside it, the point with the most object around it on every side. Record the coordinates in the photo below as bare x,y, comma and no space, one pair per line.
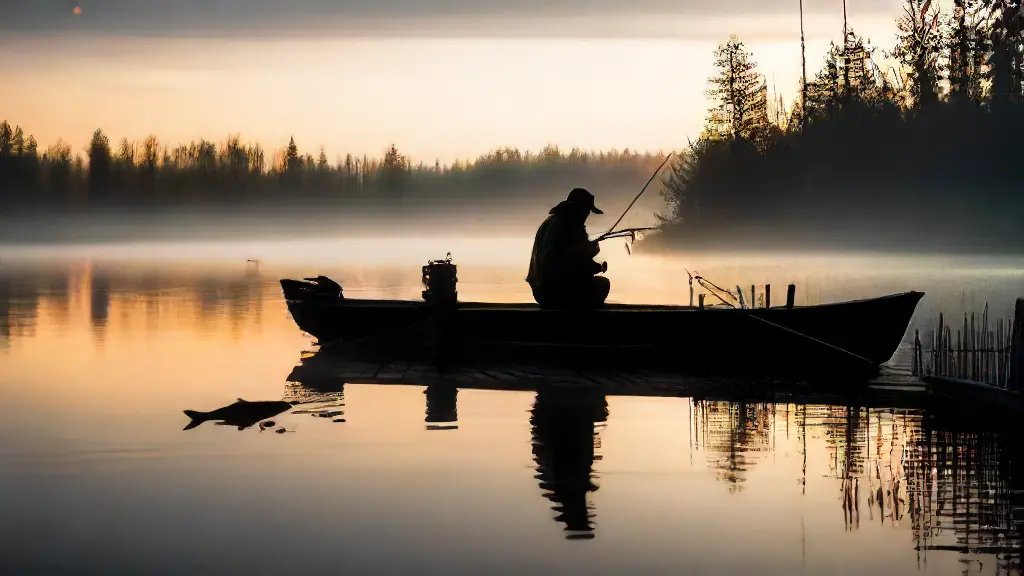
197,418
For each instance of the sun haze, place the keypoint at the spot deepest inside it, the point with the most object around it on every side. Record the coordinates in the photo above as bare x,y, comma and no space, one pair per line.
442,79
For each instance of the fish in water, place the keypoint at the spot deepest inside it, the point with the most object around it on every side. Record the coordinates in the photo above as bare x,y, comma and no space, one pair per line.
242,413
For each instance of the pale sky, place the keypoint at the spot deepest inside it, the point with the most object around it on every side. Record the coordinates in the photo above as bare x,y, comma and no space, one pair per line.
440,79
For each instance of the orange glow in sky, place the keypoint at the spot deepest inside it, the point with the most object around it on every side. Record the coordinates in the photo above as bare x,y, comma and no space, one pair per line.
435,98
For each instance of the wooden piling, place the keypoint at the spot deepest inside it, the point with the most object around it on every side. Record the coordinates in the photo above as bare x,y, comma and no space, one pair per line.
940,363
960,352
915,363
767,295
790,295
999,353
1016,381
701,300
753,297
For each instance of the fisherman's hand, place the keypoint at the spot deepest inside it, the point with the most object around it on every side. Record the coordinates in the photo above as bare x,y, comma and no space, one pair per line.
604,267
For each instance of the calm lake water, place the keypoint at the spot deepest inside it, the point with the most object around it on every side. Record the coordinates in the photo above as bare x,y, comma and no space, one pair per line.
103,347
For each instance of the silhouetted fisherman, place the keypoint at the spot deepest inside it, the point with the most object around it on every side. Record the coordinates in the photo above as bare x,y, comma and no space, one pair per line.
563,273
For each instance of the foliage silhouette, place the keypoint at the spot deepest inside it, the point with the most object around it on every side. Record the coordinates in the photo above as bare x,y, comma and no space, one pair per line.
921,157
153,175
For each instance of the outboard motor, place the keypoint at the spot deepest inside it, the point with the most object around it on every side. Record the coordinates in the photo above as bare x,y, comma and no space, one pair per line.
439,280
324,286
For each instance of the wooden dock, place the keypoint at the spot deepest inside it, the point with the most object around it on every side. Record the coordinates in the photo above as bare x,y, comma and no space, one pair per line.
978,363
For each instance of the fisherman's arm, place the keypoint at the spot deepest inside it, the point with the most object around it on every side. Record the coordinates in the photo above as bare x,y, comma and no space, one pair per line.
580,258
573,252
582,246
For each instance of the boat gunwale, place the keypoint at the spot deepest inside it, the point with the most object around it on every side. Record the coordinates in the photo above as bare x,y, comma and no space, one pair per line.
607,308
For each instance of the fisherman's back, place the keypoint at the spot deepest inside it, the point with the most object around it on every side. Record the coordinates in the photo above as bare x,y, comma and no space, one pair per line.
545,245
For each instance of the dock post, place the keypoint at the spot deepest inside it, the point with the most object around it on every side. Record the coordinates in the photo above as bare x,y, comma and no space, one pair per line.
767,295
701,297
1017,348
915,363
753,297
790,295
940,365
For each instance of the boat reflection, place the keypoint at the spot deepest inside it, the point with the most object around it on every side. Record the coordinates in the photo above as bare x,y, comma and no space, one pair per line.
954,482
321,397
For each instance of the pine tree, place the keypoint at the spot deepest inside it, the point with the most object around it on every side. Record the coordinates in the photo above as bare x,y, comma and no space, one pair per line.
321,162
5,138
150,155
919,47
740,92
967,47
292,160
393,171
99,164
1005,43
18,142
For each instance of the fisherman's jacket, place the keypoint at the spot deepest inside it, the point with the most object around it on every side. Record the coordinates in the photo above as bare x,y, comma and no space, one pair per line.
563,254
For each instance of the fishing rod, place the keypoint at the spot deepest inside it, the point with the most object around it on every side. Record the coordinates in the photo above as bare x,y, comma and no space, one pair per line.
704,281
626,232
714,292
642,190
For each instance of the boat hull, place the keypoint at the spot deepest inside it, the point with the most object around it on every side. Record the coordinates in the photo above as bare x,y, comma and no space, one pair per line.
844,338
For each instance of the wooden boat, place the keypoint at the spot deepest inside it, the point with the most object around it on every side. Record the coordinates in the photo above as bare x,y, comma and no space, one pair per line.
846,339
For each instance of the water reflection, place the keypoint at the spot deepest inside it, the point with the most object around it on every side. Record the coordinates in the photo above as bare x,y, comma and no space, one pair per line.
728,431
964,496
5,314
327,394
118,298
893,484
242,414
442,412
563,425
952,486
958,487
99,302
19,309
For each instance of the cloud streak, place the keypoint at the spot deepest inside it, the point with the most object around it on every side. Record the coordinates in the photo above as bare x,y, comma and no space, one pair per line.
404,17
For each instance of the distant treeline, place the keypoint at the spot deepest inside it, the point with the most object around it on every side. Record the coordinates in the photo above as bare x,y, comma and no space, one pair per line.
152,174
924,155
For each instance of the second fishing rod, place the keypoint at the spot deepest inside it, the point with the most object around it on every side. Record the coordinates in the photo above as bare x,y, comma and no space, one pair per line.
631,232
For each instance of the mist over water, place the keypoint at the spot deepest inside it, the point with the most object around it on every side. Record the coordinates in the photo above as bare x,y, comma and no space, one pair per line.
103,345
508,213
